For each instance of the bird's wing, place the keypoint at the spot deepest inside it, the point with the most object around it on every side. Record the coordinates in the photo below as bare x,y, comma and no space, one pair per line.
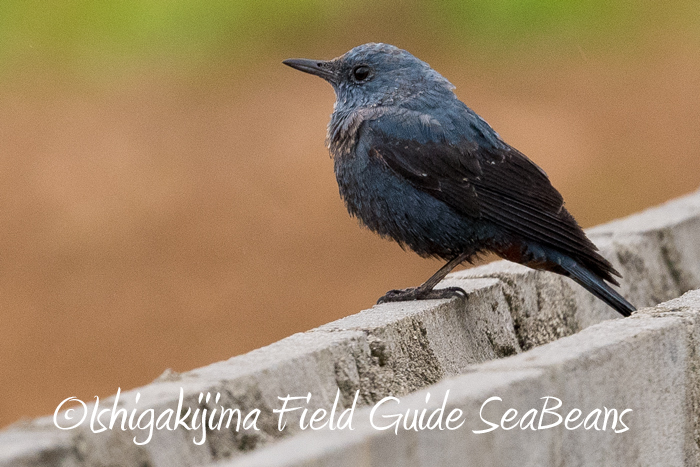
463,163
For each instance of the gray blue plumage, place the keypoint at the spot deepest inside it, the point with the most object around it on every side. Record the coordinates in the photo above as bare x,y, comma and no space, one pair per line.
415,164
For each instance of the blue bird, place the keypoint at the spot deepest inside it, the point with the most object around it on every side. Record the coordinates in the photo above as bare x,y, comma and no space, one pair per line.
417,165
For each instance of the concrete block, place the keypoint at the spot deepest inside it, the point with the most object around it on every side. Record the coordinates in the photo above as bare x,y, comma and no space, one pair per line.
451,334
648,363
20,446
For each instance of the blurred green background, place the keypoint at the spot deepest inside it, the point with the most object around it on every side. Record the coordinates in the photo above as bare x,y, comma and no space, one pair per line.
166,200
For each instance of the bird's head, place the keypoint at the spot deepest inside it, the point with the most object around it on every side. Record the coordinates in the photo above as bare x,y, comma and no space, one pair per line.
375,74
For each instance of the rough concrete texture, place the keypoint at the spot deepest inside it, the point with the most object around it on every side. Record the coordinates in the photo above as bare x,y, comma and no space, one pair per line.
648,363
392,349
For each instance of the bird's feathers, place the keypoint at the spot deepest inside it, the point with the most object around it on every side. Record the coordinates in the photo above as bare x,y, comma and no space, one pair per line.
416,164
478,175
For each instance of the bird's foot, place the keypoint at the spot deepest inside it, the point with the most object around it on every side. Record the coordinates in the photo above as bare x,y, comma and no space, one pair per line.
415,293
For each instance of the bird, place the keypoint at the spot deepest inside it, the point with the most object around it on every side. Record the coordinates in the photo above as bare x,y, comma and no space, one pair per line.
415,164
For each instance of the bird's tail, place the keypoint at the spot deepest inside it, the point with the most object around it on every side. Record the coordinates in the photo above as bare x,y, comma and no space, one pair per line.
597,286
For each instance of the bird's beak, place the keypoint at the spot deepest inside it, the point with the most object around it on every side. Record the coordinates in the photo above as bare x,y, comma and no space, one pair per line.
315,67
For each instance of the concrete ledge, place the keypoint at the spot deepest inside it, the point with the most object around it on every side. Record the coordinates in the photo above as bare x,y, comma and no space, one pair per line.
648,363
392,349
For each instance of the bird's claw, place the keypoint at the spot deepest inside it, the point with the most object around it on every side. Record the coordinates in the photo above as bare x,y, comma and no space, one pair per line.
414,293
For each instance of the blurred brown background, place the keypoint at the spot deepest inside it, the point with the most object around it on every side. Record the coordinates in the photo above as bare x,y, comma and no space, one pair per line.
166,199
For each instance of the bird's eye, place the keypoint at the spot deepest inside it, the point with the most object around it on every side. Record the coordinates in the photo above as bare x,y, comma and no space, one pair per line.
360,73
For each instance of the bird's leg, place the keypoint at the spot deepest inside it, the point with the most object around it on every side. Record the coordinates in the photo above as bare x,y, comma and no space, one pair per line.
425,291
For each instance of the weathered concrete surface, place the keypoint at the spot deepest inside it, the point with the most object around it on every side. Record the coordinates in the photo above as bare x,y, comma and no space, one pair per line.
393,349
657,252
648,363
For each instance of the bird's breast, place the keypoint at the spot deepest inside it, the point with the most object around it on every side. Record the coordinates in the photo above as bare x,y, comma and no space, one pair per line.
344,129
392,207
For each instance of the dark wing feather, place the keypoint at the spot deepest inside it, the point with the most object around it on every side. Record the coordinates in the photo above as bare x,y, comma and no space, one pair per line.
478,178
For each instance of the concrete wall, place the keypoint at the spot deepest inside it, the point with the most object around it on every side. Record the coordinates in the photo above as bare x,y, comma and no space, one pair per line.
648,363
413,348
